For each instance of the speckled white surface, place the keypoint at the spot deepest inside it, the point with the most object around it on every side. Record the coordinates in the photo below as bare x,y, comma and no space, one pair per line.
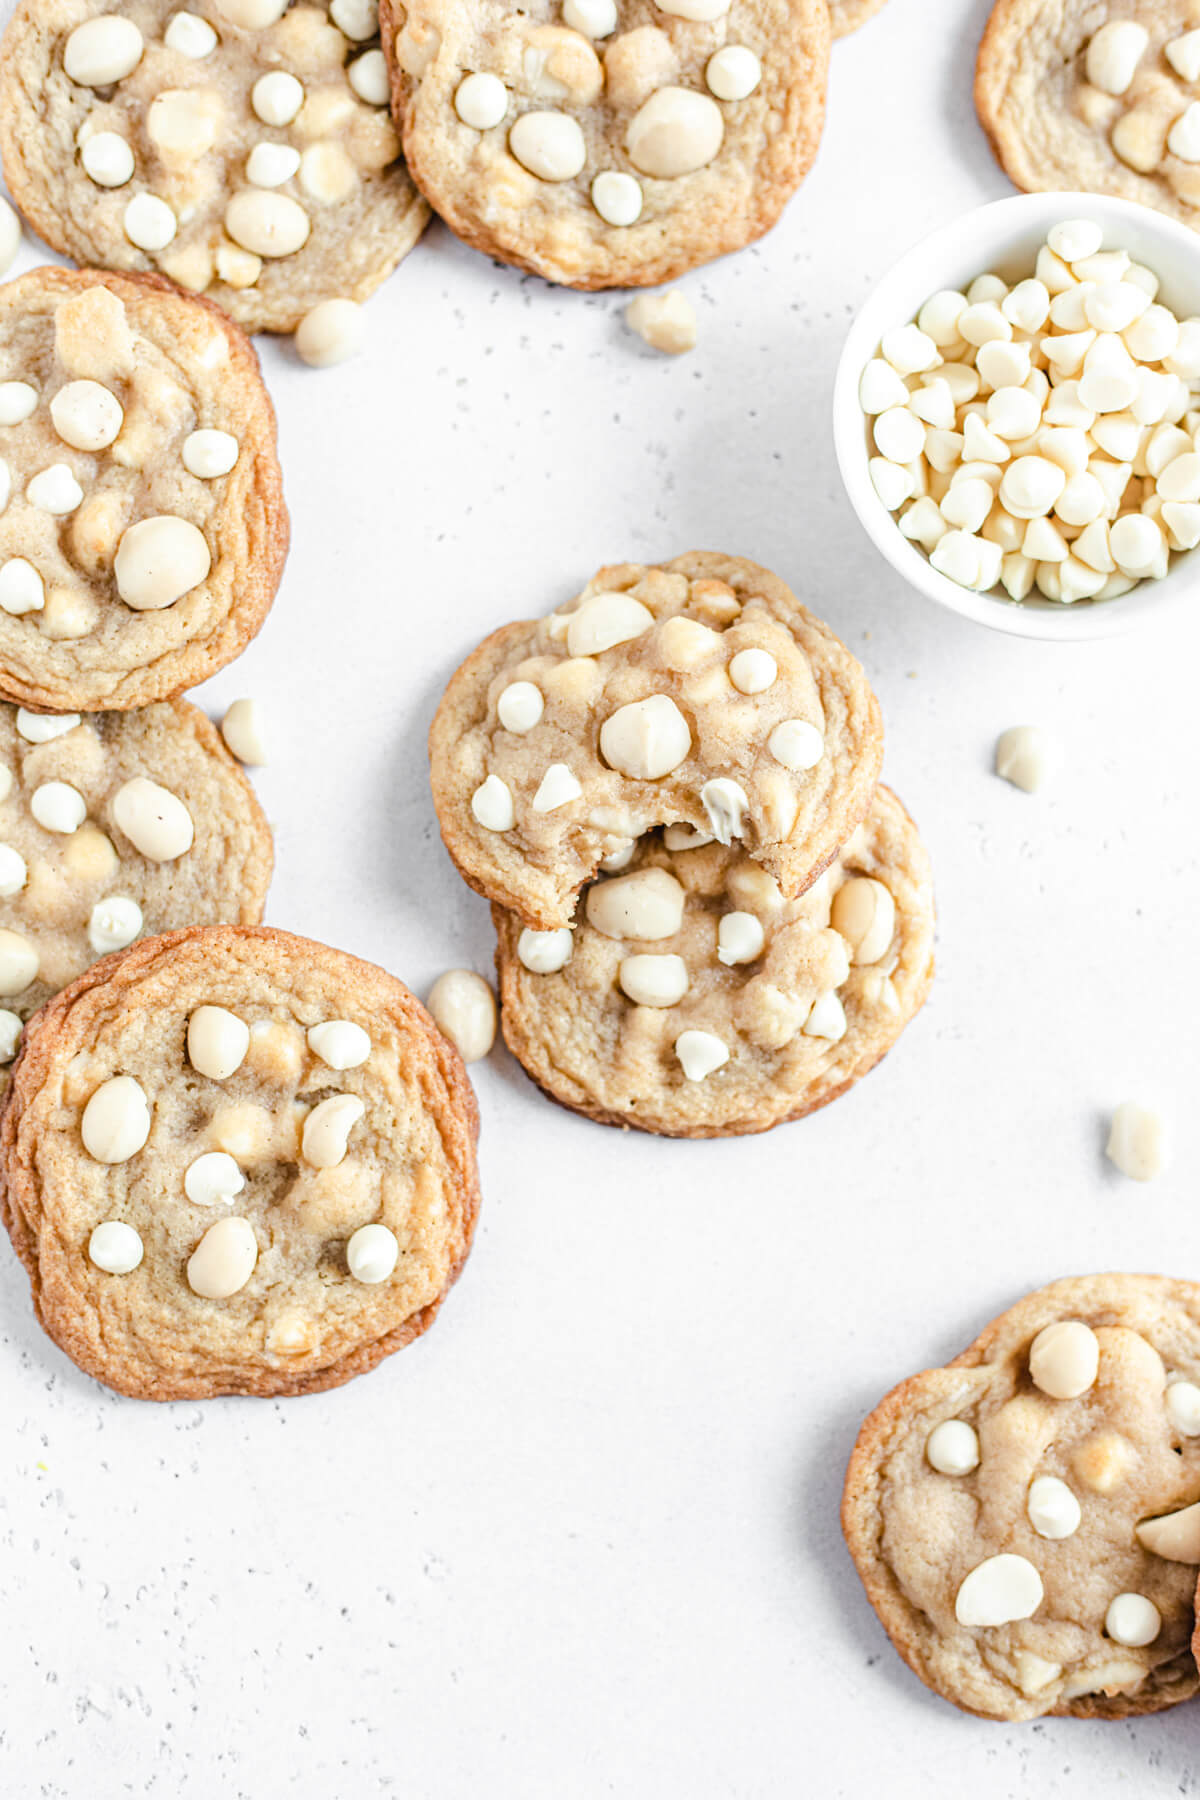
582,1540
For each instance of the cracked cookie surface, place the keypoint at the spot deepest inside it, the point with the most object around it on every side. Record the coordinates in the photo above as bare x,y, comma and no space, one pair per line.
1025,1521
237,1162
608,143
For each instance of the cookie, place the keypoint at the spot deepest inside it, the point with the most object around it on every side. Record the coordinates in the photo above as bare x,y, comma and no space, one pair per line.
698,691
144,533
1025,1520
237,1162
693,1000
241,147
848,15
608,143
114,826
1101,96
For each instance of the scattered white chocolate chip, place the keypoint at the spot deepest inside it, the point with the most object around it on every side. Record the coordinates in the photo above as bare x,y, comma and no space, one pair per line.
116,1120
544,952
55,490
57,806
796,744
617,197
1053,1510
725,806
155,820
22,589
17,402
675,132
700,1054
159,560
19,963
327,1130
827,1018
646,739
189,35
520,706
13,871
1137,1141
108,159
1175,1537
481,101
277,97
1183,1407
733,73
740,938
213,1179
647,904
42,728
217,1042
753,671
1064,1359
209,454
149,222
952,1448
115,1247
242,731
368,77
223,1261
492,805
464,1009
653,980
10,1034
331,333
1026,756
114,923
593,18
372,1254
550,145
998,1591
103,51
340,1043
665,321
1132,1620
558,787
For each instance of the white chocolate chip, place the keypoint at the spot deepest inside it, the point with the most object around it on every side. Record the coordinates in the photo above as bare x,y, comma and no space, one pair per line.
155,820
217,1042
19,963
277,98
115,1247
864,913
223,1261
894,484
1137,1141
22,589
725,806
116,1120
149,222
681,837
520,706
899,435
327,1130
86,415
909,350
1175,1537
550,145
826,1019
252,15
1064,1359
356,19
1026,756
654,980
464,1009
1053,1510
647,904
1132,1620
368,77
952,1448
43,728
1183,54
189,35
17,401
492,805
108,159
10,1034
372,1254
700,1054
114,923
58,807
481,101
13,871
1111,63
998,1591
1183,1407
593,18
102,51
544,952
740,938
558,787
646,739
267,223
617,197
210,454
753,671
159,560
55,490
701,12
340,1043
270,165
796,744
331,333
605,621
675,132
213,1179
1034,1672
1030,486
880,387
242,731
733,73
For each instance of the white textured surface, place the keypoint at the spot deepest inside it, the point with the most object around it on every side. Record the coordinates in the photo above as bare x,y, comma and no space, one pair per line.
583,1540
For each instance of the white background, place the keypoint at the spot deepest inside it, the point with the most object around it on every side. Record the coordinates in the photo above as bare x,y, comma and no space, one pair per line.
582,1540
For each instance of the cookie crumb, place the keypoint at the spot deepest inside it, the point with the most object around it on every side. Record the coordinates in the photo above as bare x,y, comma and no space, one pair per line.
1137,1141
666,322
1026,756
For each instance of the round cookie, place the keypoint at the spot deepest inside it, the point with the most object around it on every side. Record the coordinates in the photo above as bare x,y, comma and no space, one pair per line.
561,740
608,143
848,15
1025,1522
115,826
144,533
781,1012
241,147
1096,96
237,1162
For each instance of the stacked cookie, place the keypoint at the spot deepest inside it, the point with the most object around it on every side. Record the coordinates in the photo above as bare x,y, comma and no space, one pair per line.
710,917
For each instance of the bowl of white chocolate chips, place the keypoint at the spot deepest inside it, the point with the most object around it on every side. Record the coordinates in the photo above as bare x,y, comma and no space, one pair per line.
1017,415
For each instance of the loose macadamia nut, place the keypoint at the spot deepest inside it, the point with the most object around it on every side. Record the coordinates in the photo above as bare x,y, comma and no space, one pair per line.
1137,1141
464,1007
666,322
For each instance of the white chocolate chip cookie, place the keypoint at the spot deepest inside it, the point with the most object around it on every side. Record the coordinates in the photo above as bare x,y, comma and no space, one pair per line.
608,143
1026,1521
244,150
691,999
144,531
115,826
1102,95
234,1161
699,691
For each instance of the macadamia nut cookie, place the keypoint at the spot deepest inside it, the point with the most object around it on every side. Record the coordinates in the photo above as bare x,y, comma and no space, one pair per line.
608,143
241,147
696,692
1096,94
692,999
1026,1522
142,525
237,1162
115,826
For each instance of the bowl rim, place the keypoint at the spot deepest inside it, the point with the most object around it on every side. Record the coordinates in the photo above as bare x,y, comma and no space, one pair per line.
1050,621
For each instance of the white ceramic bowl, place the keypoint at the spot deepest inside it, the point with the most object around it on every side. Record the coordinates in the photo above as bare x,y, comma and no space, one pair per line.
1003,239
